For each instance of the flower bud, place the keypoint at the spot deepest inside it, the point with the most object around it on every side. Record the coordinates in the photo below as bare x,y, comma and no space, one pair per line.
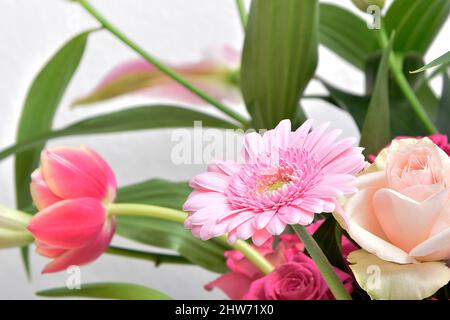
364,4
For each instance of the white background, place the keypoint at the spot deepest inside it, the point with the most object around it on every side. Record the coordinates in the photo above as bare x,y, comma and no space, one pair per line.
176,30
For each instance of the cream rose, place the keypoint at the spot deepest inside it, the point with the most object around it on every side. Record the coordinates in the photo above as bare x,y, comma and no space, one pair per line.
401,215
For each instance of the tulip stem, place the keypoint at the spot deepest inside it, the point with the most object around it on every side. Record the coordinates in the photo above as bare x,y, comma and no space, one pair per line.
150,211
159,65
325,268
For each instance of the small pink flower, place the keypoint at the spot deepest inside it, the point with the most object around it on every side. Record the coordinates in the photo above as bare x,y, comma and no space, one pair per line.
298,279
71,189
284,179
441,140
236,283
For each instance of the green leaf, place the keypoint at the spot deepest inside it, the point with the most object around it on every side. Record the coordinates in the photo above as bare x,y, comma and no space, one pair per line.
107,290
172,235
328,236
376,131
442,60
279,58
157,258
40,106
354,104
156,192
132,119
444,107
346,34
416,23
404,122
167,234
38,112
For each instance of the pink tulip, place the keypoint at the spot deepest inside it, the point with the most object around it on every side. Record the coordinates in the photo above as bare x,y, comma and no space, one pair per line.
71,189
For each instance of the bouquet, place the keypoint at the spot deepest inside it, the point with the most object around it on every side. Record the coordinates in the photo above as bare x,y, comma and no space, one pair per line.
301,213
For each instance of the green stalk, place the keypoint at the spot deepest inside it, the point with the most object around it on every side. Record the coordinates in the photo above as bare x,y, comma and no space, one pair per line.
325,268
157,258
160,66
142,210
242,14
396,68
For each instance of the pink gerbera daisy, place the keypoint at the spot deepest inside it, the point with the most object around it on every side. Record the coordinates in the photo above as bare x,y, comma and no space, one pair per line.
285,177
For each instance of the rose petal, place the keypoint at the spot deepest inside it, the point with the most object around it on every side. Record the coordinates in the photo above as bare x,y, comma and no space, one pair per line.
387,280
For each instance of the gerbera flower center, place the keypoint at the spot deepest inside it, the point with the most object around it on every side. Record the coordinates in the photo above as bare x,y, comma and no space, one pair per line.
273,182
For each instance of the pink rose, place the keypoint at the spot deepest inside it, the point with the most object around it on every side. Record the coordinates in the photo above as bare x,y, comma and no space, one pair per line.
401,214
237,283
298,279
441,140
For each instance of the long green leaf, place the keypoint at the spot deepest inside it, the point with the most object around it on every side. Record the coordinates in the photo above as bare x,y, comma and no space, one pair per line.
132,119
156,192
40,107
157,258
172,235
107,290
346,34
167,234
442,60
279,58
443,118
376,132
328,236
38,112
416,23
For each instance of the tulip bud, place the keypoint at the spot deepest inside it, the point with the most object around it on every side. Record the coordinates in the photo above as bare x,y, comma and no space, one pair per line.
13,231
71,189
364,4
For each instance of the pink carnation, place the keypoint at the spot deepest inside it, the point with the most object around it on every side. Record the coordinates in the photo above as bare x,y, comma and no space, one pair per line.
285,178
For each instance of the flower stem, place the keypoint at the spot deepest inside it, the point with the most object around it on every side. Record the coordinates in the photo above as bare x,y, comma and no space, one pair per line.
242,14
396,68
142,210
160,66
325,268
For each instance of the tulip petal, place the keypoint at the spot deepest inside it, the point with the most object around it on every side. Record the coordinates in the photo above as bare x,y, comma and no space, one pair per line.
84,255
42,196
386,280
69,224
76,172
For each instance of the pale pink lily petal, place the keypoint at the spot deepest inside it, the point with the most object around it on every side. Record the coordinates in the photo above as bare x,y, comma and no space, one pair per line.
41,194
69,224
85,254
77,172
215,74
